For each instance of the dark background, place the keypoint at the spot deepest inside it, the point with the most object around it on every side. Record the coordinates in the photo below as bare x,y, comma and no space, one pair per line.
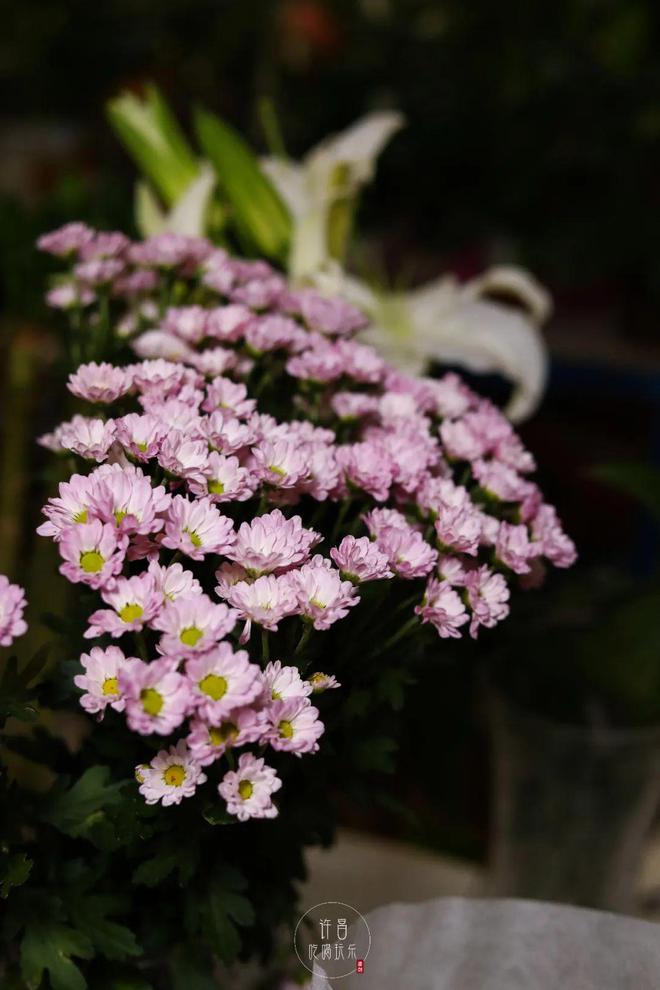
533,136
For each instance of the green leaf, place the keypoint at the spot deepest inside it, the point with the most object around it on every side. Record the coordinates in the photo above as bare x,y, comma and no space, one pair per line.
640,481
112,940
225,910
14,872
49,946
16,691
375,754
78,809
261,218
188,972
217,814
152,871
150,133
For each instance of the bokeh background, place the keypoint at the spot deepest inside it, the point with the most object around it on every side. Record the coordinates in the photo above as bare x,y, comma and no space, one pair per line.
533,136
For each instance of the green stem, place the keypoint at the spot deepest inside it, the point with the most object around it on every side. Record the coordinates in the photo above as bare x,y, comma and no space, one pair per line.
142,646
302,642
403,631
265,646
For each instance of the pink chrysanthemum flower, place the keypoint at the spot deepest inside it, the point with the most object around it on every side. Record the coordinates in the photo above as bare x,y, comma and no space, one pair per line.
295,726
125,498
226,434
222,680
459,528
229,323
133,602
12,605
368,467
93,553
452,570
172,775
68,295
320,682
90,438
442,606
324,476
197,528
266,601
170,250
321,594
227,575
99,382
141,436
164,378
514,548
69,508
502,482
157,345
281,463
173,581
214,361
488,595
100,682
321,363
183,456
66,240
379,520
332,316
272,543
223,479
360,560
209,740
555,545
187,322
248,790
98,271
281,683
408,553
105,244
274,332
192,625
227,396
354,405
157,696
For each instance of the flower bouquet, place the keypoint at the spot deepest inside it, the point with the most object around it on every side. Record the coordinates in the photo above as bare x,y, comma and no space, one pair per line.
266,525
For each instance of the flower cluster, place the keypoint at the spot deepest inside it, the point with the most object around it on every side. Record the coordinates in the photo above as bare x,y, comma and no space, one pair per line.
12,605
250,470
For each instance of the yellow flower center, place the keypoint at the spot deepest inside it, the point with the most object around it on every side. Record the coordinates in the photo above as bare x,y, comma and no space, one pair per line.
80,517
286,729
120,515
174,775
130,612
152,701
276,696
216,488
213,685
91,561
245,789
142,447
276,469
190,636
220,734
316,603
110,686
194,537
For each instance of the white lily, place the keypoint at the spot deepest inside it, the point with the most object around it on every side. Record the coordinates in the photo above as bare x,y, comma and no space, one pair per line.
320,190
490,324
187,216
